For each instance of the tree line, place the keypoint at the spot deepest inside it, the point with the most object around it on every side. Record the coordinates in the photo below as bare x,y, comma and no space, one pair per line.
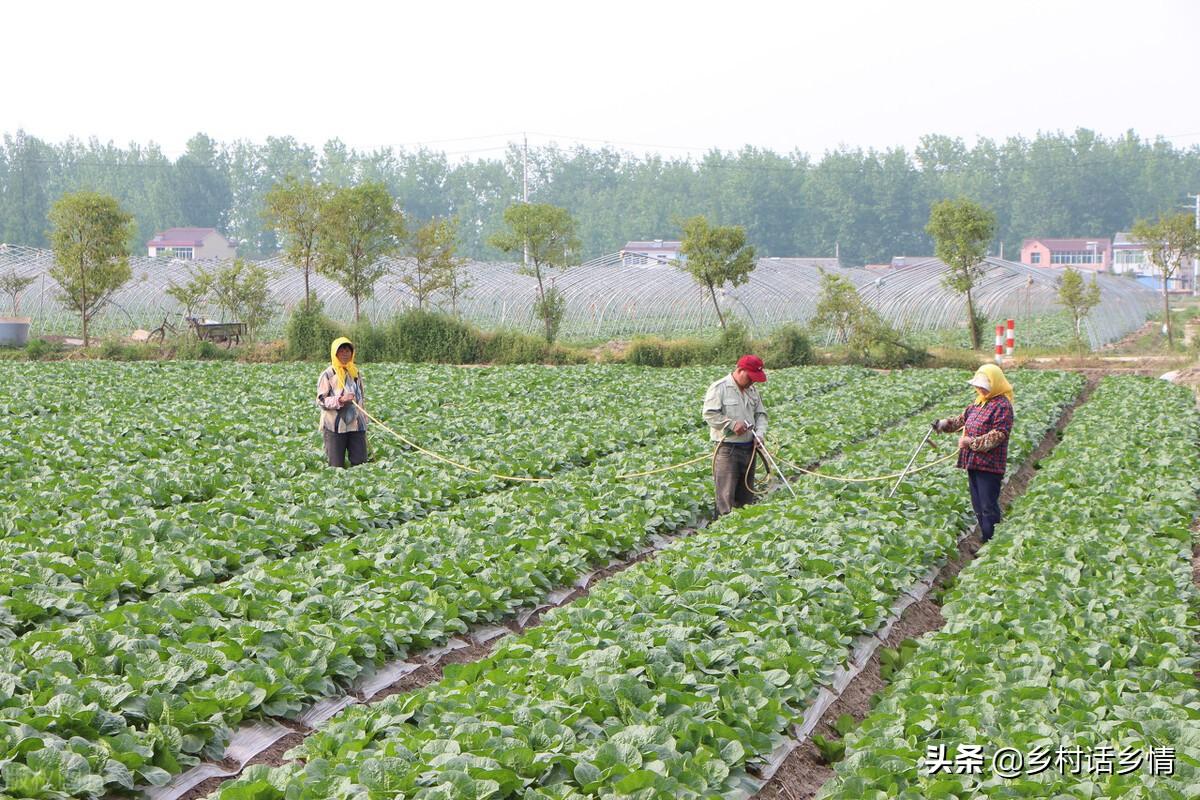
348,233
868,204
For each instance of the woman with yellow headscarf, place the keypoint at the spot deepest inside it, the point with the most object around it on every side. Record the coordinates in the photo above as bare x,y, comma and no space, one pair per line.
983,447
339,396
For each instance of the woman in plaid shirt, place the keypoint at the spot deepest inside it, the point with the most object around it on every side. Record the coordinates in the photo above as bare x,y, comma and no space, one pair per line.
983,446
340,396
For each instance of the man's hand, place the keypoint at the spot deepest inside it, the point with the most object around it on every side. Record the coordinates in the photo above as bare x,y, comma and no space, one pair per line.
739,428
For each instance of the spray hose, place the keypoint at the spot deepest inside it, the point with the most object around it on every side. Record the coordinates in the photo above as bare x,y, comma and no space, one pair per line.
758,454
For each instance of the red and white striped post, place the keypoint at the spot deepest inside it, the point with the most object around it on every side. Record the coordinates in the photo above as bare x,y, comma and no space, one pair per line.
999,343
1011,341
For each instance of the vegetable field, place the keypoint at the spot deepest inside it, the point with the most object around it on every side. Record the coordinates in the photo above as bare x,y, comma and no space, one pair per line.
178,564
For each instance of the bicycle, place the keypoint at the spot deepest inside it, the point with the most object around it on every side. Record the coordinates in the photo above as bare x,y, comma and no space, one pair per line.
161,331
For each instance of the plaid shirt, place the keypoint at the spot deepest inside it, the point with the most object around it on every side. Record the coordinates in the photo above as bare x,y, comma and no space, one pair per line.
344,419
988,427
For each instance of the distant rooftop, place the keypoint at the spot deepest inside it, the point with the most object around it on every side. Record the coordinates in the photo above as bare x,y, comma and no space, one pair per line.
899,262
1100,242
182,237
655,244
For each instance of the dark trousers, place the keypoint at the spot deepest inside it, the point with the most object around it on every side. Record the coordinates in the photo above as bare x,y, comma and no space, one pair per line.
985,499
729,474
337,445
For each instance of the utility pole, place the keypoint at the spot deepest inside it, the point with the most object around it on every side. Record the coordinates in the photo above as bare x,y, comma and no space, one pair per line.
525,185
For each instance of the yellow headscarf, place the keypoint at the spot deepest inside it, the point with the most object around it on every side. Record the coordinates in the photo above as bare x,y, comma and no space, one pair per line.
995,378
338,369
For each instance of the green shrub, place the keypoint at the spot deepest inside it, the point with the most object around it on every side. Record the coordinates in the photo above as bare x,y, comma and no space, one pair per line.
188,348
733,343
787,347
650,351
561,354
371,343
653,352
117,350
879,345
645,352
309,334
688,353
514,347
37,349
981,324
424,336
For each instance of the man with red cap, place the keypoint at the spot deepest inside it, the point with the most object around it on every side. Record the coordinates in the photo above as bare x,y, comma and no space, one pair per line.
734,413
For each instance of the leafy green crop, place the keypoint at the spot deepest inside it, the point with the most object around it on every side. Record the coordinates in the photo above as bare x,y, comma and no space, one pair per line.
672,677
144,523
1075,629
155,684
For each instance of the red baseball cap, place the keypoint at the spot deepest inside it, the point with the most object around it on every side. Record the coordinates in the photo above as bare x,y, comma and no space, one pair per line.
754,368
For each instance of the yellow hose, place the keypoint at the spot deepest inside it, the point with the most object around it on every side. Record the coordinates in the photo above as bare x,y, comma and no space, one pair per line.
645,473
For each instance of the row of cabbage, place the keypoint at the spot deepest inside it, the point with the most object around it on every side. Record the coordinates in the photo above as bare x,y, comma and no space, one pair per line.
673,677
1067,666
75,550
135,694
159,435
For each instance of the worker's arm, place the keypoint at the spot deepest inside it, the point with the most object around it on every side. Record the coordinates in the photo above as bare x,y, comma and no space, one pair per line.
760,417
1001,428
988,441
327,395
950,424
714,411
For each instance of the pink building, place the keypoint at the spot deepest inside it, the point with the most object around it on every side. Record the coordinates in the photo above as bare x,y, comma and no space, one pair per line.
1094,254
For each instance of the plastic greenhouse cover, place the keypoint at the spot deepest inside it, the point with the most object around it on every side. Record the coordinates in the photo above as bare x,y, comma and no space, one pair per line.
608,299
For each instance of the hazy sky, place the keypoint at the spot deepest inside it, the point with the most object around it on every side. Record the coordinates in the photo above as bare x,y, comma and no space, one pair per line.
676,77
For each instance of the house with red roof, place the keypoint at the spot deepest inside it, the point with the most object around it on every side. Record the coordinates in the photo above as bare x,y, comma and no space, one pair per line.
1093,254
191,244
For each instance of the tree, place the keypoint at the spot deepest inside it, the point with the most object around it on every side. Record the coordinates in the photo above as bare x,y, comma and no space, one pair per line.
90,237
1077,299
240,290
358,227
1168,243
961,231
838,306
194,293
457,281
871,340
715,255
293,210
432,250
12,285
547,234
205,193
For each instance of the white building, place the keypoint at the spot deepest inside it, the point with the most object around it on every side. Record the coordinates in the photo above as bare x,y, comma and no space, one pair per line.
650,253
1129,256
